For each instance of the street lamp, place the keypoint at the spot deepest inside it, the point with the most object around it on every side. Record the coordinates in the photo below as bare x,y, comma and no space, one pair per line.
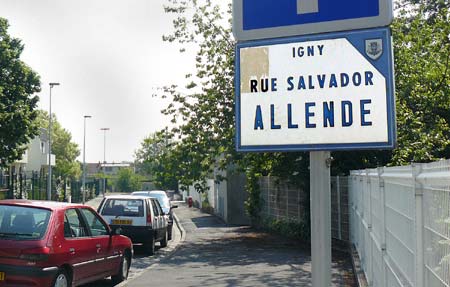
104,158
49,181
84,159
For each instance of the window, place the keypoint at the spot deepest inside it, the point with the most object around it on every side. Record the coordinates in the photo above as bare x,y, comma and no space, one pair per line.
123,207
73,226
159,208
18,222
155,208
96,226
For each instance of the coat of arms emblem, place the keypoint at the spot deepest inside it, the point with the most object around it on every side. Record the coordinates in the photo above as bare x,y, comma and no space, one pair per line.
374,48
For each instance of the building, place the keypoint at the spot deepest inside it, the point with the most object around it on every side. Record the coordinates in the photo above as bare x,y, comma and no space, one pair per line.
113,168
35,158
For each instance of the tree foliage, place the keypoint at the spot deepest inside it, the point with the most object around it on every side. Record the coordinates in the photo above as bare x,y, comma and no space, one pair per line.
422,64
153,160
127,181
18,83
65,151
204,116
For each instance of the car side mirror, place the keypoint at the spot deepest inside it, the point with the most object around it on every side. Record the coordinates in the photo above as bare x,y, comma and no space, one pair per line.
174,206
116,231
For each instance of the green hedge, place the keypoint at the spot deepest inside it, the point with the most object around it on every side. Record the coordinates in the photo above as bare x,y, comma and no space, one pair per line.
289,228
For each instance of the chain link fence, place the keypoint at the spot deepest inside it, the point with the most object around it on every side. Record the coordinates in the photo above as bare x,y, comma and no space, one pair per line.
282,200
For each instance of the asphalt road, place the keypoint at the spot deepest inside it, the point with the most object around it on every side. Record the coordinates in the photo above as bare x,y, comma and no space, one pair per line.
140,261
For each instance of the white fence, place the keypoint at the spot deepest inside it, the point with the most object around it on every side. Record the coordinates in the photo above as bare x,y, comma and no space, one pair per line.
400,224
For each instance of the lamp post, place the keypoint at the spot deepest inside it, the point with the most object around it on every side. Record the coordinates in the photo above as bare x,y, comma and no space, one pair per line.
49,181
104,158
84,159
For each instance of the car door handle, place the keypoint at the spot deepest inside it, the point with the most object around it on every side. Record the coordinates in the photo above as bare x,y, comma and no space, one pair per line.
98,246
72,250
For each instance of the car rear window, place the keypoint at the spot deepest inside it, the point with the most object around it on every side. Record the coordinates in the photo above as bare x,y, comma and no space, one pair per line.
24,223
123,207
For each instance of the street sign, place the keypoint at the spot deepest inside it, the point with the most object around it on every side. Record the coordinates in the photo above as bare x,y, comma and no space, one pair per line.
320,92
264,19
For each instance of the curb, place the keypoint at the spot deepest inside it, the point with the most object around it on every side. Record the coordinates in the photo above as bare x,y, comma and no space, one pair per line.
357,269
163,255
182,231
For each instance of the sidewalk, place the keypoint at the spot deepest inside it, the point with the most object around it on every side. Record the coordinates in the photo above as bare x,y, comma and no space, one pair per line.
217,254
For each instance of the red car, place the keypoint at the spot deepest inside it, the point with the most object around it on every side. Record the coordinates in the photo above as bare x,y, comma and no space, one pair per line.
46,243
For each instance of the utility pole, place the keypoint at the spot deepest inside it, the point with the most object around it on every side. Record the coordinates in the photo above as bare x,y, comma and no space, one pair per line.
84,160
49,180
104,159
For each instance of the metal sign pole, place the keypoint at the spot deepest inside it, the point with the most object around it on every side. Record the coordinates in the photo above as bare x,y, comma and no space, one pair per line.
320,189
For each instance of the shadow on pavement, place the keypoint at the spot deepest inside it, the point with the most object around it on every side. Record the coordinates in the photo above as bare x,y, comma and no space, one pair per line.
245,249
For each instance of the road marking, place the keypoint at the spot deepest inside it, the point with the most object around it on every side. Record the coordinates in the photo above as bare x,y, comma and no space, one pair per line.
307,6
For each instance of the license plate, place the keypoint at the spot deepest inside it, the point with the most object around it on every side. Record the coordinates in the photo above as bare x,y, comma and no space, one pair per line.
2,276
122,221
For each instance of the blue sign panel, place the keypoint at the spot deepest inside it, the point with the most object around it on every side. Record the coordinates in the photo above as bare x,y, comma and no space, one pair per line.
258,19
259,14
317,92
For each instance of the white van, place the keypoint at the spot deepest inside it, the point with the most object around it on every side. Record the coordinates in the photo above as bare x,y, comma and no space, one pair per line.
139,217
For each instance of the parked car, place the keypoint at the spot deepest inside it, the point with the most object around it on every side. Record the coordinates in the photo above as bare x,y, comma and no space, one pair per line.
164,201
140,218
47,243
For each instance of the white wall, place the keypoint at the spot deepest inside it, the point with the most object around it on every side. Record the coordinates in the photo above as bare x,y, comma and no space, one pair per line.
36,157
217,196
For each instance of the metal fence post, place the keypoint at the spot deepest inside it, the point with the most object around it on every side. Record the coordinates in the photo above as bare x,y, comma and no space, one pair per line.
419,224
381,186
14,186
268,198
9,185
21,185
33,183
369,227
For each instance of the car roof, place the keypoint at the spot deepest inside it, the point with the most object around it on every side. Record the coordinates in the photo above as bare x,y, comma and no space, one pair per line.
53,205
125,196
158,191
150,191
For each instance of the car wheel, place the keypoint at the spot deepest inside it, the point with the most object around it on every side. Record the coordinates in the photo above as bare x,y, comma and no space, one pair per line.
123,271
61,279
164,240
150,246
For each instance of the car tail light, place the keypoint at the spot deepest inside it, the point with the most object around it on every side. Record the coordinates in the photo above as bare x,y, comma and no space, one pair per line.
35,254
149,218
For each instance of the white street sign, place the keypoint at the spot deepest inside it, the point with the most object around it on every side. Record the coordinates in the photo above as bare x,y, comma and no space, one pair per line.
329,92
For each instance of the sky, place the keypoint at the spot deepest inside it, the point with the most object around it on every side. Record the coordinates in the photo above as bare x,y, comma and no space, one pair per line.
109,58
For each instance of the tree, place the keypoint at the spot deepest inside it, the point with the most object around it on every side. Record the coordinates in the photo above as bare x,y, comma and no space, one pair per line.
127,181
204,137
63,148
154,159
422,56
18,112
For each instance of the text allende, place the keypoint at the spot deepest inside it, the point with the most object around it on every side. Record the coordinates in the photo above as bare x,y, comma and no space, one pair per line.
311,82
309,120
